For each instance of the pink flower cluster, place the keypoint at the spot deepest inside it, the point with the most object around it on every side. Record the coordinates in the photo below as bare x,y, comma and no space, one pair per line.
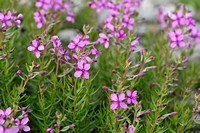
82,55
9,124
119,23
119,99
53,6
179,21
9,19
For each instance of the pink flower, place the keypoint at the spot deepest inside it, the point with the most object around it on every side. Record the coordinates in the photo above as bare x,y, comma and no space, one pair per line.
46,4
40,18
162,17
82,70
108,24
104,39
7,130
195,34
177,38
95,52
23,125
131,97
131,129
49,130
177,19
128,22
36,48
70,17
5,19
121,35
118,101
76,43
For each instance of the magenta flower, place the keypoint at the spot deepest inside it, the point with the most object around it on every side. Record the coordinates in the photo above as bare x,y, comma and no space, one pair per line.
128,22
49,130
118,101
70,17
7,130
189,21
5,113
177,19
36,48
121,35
114,9
177,38
22,125
131,129
135,43
162,17
76,43
40,18
131,97
46,4
108,23
5,19
82,70
104,39
95,52
195,34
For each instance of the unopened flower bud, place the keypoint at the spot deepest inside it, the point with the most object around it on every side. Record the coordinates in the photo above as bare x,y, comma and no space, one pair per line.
113,81
4,56
105,88
19,72
175,85
43,72
140,74
173,113
71,126
114,71
118,116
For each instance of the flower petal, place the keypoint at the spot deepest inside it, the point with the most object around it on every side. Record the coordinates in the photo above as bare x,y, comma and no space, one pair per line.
123,105
114,97
24,121
78,74
121,96
113,106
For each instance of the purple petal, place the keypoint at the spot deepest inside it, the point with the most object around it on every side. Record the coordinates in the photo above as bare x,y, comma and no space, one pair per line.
173,45
113,106
78,74
26,128
182,44
37,54
71,45
86,75
128,92
8,23
121,96
8,111
24,121
41,47
129,100
114,97
80,65
102,35
123,105
87,66
106,44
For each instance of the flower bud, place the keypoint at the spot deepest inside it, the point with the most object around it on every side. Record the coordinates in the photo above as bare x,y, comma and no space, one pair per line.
173,113
114,71
118,116
4,56
105,88
43,72
19,72
140,74
71,126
